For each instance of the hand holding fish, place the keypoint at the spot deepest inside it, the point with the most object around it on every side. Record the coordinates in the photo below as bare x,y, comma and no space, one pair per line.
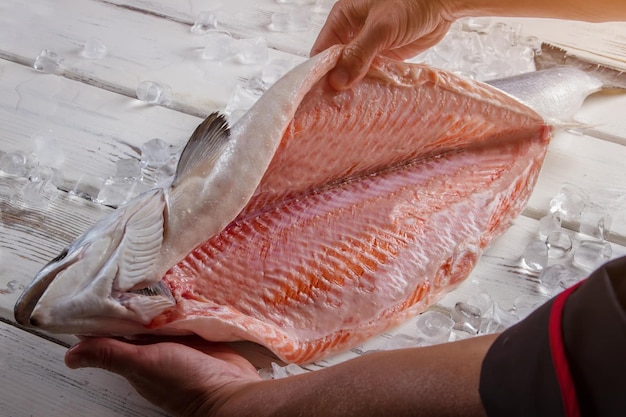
399,29
183,379
212,380
403,28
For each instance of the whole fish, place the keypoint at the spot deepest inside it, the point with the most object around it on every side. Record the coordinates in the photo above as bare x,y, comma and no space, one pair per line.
317,220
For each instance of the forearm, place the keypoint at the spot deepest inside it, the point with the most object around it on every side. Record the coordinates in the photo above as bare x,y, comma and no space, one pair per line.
584,10
431,381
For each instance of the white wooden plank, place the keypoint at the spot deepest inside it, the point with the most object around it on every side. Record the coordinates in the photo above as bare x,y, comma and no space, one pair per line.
603,112
604,43
594,165
244,18
93,127
37,383
141,46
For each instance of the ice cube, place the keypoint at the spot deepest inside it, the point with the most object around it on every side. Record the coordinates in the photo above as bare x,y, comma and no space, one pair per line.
128,168
88,186
47,149
595,222
535,256
559,244
252,51
434,327
401,341
48,61
279,371
18,163
297,19
154,93
47,174
590,254
482,301
115,191
218,45
141,186
205,22
94,48
551,277
155,153
493,70
158,176
241,99
479,24
569,201
39,194
498,320
280,21
466,317
532,42
501,37
548,224
520,59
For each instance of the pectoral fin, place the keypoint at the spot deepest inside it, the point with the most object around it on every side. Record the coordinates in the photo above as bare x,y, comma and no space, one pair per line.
141,243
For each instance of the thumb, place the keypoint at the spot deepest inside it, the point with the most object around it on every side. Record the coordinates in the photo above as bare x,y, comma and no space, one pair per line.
105,353
356,59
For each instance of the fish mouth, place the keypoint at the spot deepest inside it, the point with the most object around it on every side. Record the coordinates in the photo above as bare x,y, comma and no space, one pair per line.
29,298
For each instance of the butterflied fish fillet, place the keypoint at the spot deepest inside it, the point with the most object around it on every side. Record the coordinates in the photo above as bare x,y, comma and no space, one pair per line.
377,202
330,216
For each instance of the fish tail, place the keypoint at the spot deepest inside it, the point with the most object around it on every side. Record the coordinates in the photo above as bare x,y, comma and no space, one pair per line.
552,56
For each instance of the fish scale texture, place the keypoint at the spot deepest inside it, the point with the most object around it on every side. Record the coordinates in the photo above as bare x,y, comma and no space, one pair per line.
377,202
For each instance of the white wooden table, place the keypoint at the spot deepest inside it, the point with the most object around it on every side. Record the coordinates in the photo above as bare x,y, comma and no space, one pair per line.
91,108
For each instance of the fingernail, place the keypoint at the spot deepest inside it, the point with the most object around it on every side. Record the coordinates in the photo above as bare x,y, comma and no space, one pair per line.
75,360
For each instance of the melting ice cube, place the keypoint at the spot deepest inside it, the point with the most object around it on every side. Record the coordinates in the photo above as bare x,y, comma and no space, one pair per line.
218,45
434,327
48,61
569,201
252,51
94,48
535,256
590,254
18,163
559,244
205,22
154,93
155,152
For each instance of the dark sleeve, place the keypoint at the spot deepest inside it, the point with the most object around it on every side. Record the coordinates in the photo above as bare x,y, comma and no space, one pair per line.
568,358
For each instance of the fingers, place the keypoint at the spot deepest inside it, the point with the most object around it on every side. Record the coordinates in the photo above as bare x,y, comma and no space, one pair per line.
109,354
359,54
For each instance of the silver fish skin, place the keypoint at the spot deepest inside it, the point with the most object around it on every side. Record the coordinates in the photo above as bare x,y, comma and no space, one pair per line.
555,93
110,276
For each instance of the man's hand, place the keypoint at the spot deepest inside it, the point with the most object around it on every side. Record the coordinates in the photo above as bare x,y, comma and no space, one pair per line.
396,28
189,379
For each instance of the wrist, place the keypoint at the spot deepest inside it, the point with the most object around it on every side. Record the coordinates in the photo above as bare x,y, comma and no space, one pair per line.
242,400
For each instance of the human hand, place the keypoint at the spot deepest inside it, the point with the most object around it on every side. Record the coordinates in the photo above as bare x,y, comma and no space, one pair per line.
185,380
397,28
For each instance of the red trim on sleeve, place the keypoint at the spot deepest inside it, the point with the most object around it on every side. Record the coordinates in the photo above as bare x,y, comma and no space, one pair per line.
557,348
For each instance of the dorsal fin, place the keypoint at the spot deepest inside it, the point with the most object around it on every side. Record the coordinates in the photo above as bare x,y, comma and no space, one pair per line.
204,146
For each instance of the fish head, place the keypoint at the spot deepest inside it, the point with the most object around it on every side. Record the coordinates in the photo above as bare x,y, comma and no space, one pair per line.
107,281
